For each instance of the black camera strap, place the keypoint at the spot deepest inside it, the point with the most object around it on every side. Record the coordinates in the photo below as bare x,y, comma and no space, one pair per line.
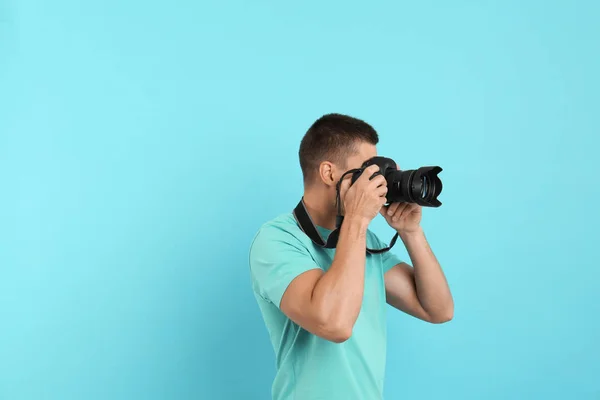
308,227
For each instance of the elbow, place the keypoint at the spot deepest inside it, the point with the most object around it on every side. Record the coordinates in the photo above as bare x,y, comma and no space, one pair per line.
335,331
443,317
339,335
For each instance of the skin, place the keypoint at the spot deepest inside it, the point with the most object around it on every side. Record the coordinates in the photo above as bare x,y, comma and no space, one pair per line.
327,304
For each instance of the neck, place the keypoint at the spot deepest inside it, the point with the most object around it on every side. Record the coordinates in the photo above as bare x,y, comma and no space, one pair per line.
321,206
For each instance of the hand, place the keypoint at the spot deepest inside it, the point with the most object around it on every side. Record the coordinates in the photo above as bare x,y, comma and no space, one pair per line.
403,217
365,197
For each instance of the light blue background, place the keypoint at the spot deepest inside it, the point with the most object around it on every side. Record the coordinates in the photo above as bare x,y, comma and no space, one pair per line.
143,143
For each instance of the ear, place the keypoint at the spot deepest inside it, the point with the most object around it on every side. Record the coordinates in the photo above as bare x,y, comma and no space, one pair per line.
327,173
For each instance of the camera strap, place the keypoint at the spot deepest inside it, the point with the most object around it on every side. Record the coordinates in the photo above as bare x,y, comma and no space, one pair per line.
308,227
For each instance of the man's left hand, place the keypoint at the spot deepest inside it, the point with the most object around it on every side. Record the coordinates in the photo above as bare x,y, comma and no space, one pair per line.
403,217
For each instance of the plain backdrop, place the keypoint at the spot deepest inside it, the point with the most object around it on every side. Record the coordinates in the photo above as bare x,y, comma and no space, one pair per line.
143,143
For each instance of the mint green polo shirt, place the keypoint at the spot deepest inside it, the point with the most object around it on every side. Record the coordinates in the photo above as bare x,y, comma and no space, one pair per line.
309,367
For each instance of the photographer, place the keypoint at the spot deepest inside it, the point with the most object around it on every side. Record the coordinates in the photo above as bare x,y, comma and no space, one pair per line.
325,308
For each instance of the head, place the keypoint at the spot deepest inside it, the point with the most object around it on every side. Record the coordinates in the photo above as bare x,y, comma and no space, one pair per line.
334,144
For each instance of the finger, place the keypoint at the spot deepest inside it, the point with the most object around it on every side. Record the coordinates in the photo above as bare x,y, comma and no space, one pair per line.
368,173
381,181
412,208
345,185
378,181
408,210
392,208
381,191
398,214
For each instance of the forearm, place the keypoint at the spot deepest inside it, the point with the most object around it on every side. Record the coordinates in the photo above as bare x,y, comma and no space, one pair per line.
431,286
338,294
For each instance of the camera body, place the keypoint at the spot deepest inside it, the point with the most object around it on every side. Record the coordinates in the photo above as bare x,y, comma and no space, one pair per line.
421,186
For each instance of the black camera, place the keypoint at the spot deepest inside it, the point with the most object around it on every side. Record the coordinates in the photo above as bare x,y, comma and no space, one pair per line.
421,186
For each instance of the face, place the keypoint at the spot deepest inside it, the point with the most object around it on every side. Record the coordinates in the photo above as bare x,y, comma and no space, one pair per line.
365,152
331,173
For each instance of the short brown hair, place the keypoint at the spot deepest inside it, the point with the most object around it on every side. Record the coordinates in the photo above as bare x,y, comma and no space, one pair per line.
332,137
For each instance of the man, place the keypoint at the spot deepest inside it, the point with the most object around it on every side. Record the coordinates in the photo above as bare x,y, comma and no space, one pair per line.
325,308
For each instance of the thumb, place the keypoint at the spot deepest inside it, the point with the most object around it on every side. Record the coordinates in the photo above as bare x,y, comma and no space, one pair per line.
345,185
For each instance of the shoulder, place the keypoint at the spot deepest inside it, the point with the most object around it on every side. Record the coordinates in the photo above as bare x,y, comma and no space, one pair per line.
278,254
282,230
283,223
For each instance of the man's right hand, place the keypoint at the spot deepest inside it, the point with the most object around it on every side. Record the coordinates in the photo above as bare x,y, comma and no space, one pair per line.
327,304
364,198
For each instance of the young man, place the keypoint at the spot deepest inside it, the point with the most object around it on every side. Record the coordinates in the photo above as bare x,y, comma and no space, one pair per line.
325,309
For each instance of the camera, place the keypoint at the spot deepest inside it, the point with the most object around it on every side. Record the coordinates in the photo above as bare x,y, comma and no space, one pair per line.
421,186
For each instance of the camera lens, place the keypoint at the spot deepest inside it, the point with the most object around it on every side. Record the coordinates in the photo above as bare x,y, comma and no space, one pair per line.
423,187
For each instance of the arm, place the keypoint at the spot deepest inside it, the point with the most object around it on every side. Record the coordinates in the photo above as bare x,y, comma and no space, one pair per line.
327,304
422,290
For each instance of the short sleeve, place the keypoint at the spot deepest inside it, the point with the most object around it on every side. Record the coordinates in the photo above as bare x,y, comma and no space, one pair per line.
276,259
388,258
